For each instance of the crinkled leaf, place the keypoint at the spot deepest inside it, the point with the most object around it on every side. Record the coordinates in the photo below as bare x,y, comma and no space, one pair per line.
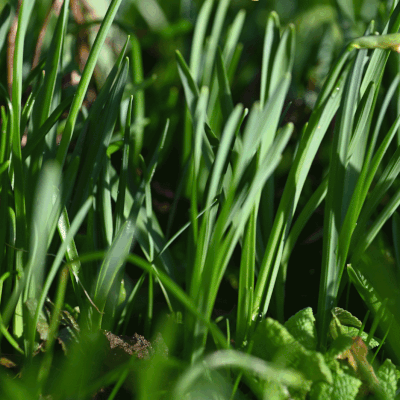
302,327
273,342
336,327
344,387
388,376
346,318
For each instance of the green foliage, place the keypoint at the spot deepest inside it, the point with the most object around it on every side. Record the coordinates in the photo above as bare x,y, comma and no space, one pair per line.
88,260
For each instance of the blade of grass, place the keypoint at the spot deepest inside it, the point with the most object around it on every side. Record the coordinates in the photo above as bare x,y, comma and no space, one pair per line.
271,42
139,109
85,79
122,183
198,39
17,165
100,136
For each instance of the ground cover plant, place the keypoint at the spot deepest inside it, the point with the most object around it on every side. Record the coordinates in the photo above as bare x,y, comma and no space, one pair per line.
102,296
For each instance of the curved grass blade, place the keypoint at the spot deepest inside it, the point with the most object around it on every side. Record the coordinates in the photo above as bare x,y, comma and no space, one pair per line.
198,39
109,279
271,42
213,42
85,79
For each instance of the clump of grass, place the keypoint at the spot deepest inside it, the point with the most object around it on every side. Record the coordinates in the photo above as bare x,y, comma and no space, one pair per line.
75,202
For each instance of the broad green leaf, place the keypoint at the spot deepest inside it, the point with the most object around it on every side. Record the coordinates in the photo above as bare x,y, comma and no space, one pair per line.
273,342
344,387
302,327
388,376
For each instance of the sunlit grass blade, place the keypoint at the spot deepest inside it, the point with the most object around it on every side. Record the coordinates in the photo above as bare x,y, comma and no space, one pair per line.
198,133
198,39
110,275
271,42
228,52
232,38
224,89
213,42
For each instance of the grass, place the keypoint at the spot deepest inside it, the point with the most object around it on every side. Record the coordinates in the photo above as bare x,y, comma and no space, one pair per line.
100,297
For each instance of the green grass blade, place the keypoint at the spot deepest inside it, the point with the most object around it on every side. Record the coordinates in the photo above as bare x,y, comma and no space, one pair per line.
189,85
139,110
44,129
100,101
76,223
271,42
305,214
17,166
225,95
309,144
232,38
104,206
198,39
5,20
213,42
223,151
283,58
110,274
99,136
334,200
85,79
122,182
246,280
